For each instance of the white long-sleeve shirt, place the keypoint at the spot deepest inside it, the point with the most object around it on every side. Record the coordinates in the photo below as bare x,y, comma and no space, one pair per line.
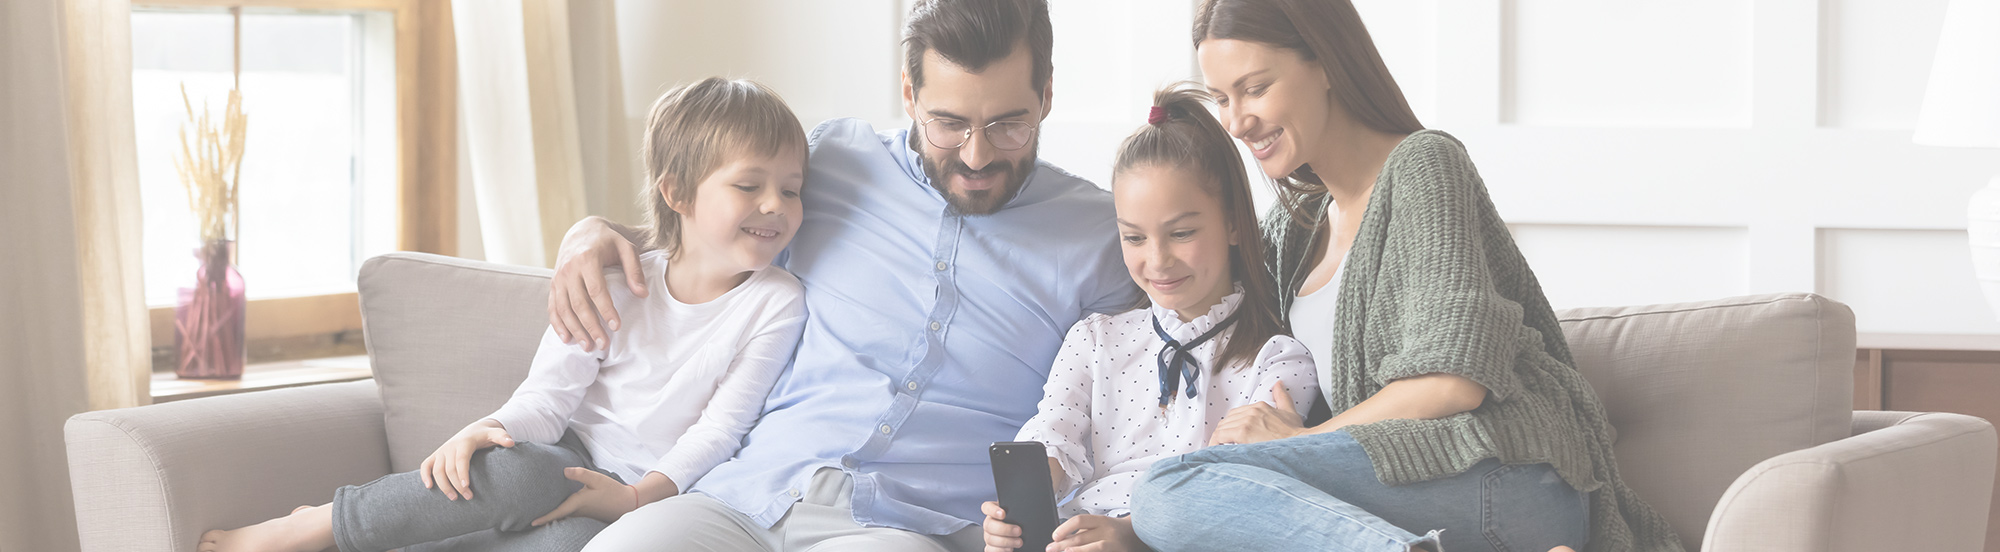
1100,415
679,384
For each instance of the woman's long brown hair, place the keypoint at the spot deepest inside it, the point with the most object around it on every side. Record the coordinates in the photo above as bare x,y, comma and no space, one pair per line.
1190,139
1329,32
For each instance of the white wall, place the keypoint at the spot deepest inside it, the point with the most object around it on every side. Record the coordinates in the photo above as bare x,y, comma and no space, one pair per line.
828,59
1643,151
1649,152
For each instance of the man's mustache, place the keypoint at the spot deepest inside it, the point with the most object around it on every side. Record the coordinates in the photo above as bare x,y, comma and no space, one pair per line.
959,168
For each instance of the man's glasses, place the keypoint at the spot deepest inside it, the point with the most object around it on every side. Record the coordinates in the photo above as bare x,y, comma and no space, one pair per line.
953,134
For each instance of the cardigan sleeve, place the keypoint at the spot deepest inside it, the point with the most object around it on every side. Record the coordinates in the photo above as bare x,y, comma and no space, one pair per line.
1449,317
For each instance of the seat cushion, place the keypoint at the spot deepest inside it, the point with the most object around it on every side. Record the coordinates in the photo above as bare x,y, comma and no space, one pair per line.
449,340
1700,392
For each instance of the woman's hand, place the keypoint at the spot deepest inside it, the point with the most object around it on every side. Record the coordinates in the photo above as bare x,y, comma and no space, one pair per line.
1000,535
601,498
1089,533
1259,422
577,293
449,468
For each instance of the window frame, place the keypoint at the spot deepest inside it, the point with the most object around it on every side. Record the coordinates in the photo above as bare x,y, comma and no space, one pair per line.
426,117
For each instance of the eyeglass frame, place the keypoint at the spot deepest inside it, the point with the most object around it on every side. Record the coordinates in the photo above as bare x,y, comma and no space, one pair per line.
966,138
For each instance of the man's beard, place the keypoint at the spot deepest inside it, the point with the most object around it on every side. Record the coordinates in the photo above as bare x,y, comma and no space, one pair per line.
974,202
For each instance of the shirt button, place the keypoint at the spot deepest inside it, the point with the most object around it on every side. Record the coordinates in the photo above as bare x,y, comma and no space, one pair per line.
942,265
886,429
935,326
793,492
849,462
913,385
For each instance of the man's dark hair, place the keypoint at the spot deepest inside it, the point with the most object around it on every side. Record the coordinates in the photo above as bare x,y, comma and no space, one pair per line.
975,33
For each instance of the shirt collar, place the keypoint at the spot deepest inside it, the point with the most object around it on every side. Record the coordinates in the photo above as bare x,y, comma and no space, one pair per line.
1171,322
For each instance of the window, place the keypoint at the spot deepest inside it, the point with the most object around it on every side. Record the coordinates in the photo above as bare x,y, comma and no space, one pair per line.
319,182
351,151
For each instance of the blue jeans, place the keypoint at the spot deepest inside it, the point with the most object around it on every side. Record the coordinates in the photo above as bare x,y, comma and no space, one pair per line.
1319,492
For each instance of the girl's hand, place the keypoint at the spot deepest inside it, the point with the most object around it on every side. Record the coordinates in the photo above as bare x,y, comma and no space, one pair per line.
449,468
1000,535
1089,533
1259,422
601,498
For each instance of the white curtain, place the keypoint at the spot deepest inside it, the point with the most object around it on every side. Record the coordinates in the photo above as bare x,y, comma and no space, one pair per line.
541,106
73,336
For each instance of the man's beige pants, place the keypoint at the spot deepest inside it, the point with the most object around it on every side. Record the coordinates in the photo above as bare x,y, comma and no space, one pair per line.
821,521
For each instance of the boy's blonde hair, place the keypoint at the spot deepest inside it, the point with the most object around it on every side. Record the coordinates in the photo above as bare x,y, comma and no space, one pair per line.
695,129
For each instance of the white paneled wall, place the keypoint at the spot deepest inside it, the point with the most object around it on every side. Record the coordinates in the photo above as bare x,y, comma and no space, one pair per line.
1110,55
1649,151
1642,151
1642,264
1870,80
1651,64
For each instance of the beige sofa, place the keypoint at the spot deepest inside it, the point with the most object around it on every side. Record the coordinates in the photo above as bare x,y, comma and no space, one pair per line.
1734,419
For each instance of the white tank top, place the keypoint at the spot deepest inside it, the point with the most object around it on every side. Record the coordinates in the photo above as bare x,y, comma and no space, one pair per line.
1312,324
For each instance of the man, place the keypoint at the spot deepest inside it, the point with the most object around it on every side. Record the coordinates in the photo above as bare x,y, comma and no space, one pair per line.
943,264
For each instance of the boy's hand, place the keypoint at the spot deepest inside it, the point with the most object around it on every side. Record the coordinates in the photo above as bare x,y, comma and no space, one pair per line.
578,294
1090,533
1000,535
449,468
601,498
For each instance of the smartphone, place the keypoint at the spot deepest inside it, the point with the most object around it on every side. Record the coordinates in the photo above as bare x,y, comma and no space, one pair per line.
1021,477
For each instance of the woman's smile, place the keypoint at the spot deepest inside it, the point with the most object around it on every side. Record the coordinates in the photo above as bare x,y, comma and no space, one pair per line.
1262,147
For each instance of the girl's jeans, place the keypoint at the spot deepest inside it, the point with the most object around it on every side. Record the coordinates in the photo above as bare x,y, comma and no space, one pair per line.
1319,492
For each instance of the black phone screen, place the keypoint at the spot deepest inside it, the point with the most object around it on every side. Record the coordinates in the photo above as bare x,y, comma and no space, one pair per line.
1021,477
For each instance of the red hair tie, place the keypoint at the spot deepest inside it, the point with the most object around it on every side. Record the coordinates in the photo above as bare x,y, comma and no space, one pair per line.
1156,116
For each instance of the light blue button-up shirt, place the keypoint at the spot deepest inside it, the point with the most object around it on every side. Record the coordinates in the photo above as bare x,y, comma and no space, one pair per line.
929,333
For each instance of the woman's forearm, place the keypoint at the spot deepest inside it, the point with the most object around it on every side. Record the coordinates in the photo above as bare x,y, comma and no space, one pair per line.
1425,397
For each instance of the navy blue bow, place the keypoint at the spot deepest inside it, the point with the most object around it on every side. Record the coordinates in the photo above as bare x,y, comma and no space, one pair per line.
1177,359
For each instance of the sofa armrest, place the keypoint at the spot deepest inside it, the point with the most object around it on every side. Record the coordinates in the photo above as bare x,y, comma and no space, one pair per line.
153,478
1904,481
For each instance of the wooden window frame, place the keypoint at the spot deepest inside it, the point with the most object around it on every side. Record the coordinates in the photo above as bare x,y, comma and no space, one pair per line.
426,171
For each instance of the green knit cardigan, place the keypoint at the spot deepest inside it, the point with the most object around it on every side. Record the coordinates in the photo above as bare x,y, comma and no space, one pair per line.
1435,284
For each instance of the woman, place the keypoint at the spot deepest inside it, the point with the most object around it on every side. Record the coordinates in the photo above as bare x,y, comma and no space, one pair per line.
1458,412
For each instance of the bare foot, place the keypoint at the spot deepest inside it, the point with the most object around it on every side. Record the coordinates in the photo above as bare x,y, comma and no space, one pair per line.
307,529
1562,549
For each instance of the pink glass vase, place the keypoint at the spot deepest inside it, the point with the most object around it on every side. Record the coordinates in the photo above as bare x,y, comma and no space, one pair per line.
208,318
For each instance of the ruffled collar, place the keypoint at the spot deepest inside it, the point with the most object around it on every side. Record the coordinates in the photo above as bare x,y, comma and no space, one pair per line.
1171,321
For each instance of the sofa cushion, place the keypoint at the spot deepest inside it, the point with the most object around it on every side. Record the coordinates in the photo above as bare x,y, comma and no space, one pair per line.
449,340
1699,392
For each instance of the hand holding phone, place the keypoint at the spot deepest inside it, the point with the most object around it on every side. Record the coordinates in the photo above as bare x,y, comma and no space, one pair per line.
1021,478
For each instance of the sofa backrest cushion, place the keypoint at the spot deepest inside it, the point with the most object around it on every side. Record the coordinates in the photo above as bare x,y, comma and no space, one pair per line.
449,339
1699,392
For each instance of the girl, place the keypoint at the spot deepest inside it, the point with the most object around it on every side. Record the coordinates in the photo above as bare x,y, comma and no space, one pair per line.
1456,405
1130,389
590,436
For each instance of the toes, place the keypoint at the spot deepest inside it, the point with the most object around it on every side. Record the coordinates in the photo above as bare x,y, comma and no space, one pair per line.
302,508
